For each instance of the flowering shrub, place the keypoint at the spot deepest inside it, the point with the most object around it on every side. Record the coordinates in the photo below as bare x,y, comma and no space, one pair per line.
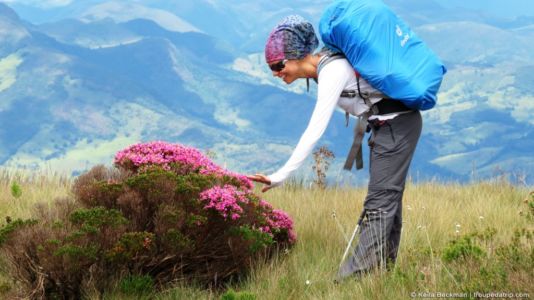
166,211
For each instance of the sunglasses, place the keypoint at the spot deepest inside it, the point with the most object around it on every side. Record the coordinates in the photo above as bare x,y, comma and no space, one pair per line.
279,66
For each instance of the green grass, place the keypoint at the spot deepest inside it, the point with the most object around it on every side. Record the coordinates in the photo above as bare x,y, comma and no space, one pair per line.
435,215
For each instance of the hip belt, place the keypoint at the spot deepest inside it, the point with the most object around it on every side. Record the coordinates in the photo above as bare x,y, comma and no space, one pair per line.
389,106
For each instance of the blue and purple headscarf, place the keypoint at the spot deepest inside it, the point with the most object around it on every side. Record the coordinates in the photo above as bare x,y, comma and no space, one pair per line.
292,38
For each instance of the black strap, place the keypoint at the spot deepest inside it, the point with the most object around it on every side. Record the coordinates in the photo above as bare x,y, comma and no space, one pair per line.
389,106
363,95
355,152
358,84
349,94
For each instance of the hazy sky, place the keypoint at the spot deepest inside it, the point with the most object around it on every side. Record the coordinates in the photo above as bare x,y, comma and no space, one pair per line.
41,3
505,8
40,11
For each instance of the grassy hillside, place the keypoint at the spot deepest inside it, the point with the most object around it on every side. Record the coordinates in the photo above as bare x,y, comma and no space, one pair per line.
455,239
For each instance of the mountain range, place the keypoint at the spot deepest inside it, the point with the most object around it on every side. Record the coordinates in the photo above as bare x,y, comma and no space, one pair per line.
81,81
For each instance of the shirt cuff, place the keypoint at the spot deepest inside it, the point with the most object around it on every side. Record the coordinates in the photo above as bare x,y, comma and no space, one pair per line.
276,179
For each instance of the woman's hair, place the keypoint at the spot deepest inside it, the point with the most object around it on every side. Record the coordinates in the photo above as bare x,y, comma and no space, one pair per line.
292,38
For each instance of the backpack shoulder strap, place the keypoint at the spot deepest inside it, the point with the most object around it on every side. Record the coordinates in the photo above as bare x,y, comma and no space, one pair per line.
329,57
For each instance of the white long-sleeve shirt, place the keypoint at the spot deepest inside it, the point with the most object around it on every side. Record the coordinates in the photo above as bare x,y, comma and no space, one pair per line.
336,76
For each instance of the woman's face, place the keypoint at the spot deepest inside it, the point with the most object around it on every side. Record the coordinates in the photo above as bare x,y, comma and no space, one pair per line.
289,72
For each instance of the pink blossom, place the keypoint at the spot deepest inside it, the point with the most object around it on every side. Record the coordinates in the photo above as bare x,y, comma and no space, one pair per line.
265,229
265,204
143,155
226,200
279,220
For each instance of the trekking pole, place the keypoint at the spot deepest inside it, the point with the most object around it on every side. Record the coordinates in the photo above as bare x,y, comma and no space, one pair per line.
352,237
339,226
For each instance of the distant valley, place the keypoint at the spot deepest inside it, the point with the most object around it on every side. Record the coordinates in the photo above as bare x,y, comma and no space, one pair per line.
101,75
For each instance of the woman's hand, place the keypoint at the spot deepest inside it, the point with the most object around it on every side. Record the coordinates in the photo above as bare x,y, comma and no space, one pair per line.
261,179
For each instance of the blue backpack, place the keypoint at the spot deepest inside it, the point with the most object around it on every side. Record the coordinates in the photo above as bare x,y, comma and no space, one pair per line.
384,50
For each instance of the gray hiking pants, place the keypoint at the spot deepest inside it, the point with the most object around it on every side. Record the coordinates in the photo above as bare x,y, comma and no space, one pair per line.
391,150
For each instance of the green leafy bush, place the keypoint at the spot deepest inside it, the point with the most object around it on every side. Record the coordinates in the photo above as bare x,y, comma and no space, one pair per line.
480,264
462,248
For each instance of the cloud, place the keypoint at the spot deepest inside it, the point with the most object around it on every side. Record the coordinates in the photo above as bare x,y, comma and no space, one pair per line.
123,12
230,116
41,3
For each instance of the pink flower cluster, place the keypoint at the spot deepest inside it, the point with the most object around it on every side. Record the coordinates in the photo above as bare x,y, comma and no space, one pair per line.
228,201
279,220
165,154
225,200
266,205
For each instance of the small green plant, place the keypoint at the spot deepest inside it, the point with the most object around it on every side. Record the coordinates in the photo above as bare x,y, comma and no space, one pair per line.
137,285
462,248
478,263
519,251
233,295
16,190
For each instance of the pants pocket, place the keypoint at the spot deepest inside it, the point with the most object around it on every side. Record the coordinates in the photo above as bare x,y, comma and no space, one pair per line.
383,140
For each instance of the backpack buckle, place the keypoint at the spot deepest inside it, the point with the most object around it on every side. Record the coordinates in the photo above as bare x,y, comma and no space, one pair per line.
348,94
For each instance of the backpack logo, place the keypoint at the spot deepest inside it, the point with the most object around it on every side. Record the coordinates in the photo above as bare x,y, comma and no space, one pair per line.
400,33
